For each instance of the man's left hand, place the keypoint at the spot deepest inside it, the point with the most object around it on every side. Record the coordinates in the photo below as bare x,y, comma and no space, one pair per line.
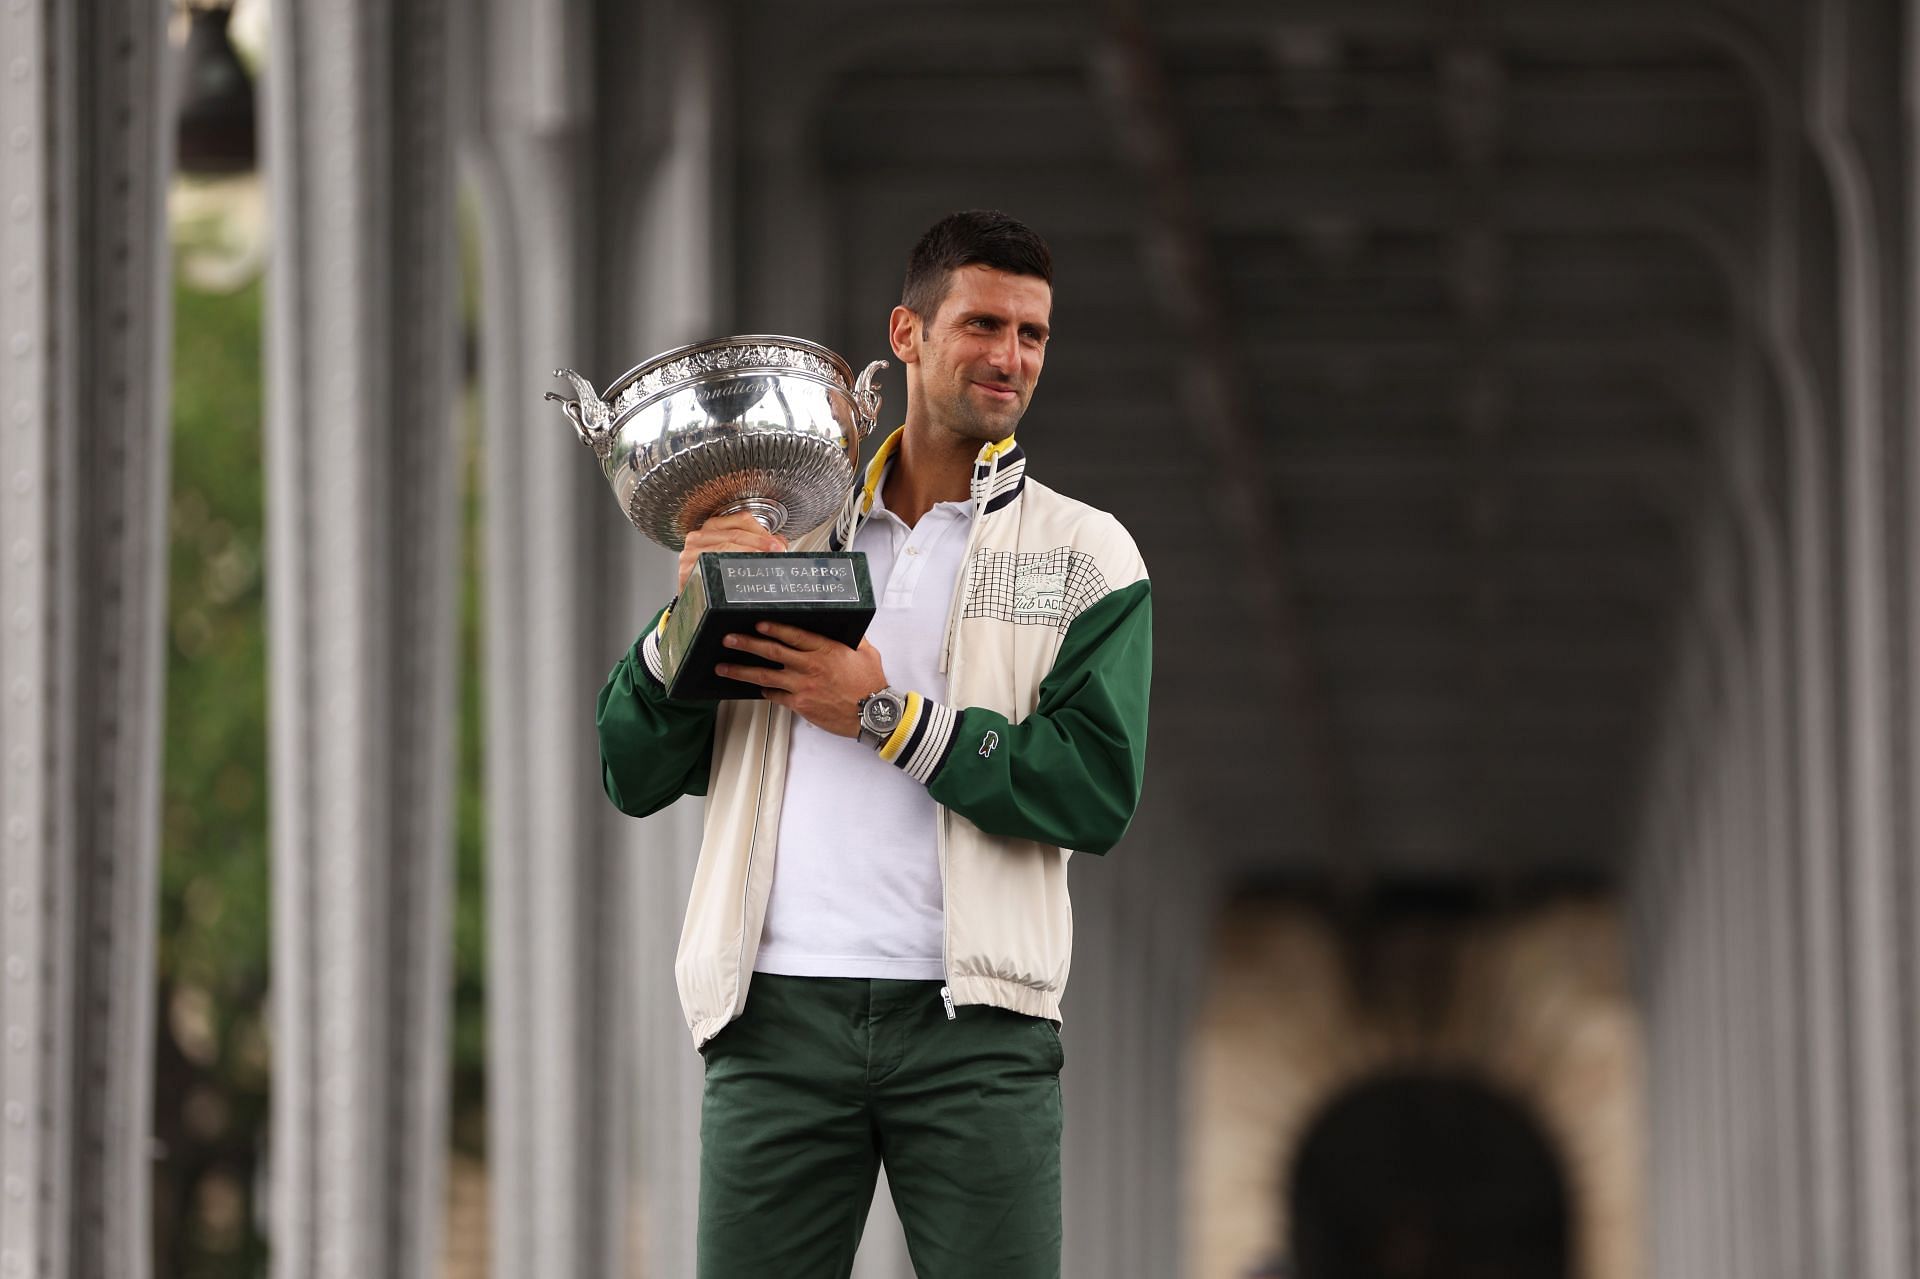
819,679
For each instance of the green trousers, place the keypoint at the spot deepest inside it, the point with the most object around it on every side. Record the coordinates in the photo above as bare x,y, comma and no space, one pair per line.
825,1079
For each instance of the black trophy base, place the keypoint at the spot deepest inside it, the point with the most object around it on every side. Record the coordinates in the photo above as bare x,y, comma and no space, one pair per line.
728,592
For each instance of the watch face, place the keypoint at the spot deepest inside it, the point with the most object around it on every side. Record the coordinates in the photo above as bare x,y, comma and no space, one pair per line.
881,714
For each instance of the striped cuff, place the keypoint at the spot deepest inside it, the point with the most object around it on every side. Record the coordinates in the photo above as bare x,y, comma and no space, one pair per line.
650,649
919,744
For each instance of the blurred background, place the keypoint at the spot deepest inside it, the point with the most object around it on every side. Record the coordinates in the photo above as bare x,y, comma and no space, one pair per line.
1516,406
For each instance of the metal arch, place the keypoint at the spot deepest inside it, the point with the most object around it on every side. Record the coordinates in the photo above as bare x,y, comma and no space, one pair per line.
1721,527
1139,109
1691,220
851,39
872,32
1722,617
1777,340
864,31
1725,25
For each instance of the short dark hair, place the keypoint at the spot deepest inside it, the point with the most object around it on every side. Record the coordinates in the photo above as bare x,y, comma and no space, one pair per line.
982,237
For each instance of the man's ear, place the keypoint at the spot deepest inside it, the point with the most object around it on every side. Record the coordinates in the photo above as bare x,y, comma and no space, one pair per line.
903,334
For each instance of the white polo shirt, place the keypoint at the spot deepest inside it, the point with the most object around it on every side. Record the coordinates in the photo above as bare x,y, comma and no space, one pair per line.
856,872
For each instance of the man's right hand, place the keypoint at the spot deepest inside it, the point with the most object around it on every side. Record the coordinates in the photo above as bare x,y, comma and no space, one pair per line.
739,532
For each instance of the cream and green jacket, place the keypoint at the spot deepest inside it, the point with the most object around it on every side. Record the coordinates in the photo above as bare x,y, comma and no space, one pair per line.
1040,749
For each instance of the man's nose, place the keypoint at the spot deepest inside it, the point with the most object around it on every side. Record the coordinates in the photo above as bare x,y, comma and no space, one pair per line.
1005,354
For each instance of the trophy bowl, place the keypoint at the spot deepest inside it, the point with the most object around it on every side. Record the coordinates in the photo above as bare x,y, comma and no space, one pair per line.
766,425
763,424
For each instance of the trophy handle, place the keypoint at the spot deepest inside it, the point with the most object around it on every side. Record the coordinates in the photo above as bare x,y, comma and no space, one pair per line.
588,413
866,399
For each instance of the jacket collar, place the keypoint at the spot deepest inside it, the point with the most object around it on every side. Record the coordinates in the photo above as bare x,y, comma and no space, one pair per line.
999,475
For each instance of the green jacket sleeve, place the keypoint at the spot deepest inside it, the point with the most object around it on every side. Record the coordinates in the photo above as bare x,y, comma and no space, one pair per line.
653,749
1069,773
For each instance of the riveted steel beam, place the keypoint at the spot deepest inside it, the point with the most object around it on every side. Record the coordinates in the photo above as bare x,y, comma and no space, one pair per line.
363,472
85,301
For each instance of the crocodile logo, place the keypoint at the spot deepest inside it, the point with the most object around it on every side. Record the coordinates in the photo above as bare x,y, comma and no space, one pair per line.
1039,593
987,743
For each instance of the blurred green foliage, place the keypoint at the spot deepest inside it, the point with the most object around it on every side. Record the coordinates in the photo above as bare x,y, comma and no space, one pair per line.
470,827
213,1058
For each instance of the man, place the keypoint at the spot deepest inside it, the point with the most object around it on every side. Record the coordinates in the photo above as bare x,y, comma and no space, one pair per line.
878,933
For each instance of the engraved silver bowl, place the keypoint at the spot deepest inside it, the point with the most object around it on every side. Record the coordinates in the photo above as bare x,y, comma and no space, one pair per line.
767,425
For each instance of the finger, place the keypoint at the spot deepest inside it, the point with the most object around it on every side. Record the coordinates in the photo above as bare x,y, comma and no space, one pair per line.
733,540
764,676
740,520
736,526
766,648
793,637
739,531
712,538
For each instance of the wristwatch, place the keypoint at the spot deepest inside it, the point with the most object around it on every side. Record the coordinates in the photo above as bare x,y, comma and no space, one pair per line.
880,714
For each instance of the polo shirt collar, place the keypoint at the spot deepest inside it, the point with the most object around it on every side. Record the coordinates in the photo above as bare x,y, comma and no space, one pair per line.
999,474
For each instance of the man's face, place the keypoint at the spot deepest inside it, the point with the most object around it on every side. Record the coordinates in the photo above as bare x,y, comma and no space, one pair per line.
978,357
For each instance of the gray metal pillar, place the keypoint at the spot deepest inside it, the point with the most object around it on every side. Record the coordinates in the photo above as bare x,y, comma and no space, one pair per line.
1695,889
1849,103
1717,1011
85,313
1139,952
1130,1215
1760,1125
665,1074
1821,923
1692,1146
363,470
1778,983
1741,1126
1790,327
1908,133
1090,1037
553,993
1182,894
1647,974
596,152
1752,465
1718,850
553,989
684,214
1658,967
790,278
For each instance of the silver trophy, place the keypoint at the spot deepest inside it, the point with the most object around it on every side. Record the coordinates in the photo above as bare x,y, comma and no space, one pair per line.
766,425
